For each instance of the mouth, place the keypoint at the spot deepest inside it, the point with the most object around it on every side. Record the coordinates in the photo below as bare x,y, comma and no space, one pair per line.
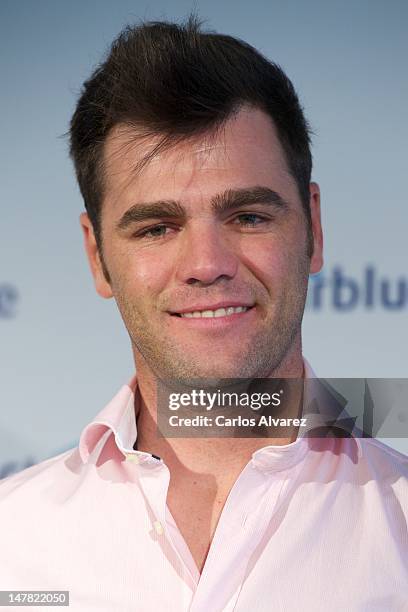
214,312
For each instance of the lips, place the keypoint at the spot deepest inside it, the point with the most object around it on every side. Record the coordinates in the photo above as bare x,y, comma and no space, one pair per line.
212,311
219,312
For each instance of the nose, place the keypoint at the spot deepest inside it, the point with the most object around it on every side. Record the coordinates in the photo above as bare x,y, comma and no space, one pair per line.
205,255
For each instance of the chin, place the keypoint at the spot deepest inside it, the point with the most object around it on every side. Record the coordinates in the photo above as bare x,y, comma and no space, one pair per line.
211,375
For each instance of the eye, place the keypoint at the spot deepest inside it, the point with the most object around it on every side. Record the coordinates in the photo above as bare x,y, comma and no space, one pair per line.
249,219
157,231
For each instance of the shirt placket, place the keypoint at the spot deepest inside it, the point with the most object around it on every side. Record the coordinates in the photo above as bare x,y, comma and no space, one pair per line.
154,478
243,521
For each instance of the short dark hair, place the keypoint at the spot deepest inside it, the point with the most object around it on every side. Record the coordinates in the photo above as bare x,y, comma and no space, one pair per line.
175,81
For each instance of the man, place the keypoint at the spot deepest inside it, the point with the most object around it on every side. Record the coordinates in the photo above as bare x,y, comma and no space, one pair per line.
193,157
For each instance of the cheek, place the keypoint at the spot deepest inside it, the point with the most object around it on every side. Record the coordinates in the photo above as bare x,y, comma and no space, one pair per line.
141,274
279,263
267,258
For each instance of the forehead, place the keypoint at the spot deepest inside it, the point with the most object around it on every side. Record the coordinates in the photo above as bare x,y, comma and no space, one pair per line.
245,151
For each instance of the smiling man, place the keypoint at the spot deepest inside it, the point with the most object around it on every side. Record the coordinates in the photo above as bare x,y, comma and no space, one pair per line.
193,158
213,223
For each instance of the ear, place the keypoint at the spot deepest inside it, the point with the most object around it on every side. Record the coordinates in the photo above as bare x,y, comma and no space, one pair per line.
102,285
316,261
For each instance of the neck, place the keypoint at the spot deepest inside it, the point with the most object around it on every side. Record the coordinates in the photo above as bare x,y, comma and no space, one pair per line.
217,459
203,471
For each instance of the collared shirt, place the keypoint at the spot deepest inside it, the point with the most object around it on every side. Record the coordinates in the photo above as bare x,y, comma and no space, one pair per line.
316,525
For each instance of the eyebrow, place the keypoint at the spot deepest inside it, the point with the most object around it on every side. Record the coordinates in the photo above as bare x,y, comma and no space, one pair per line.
227,201
235,198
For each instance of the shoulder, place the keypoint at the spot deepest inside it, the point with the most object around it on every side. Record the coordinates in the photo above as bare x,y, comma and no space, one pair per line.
380,456
385,470
366,464
34,479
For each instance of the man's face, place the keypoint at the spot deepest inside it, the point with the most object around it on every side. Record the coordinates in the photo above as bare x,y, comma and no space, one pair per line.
206,250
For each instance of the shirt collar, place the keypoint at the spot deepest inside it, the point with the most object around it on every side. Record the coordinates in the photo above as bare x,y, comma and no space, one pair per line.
118,417
324,408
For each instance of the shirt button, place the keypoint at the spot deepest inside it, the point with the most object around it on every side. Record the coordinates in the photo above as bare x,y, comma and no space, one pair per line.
132,458
158,527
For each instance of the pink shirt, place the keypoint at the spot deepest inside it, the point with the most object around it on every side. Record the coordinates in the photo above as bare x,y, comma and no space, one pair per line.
317,525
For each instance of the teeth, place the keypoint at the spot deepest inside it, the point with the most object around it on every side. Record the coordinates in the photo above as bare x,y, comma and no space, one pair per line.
207,314
220,312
